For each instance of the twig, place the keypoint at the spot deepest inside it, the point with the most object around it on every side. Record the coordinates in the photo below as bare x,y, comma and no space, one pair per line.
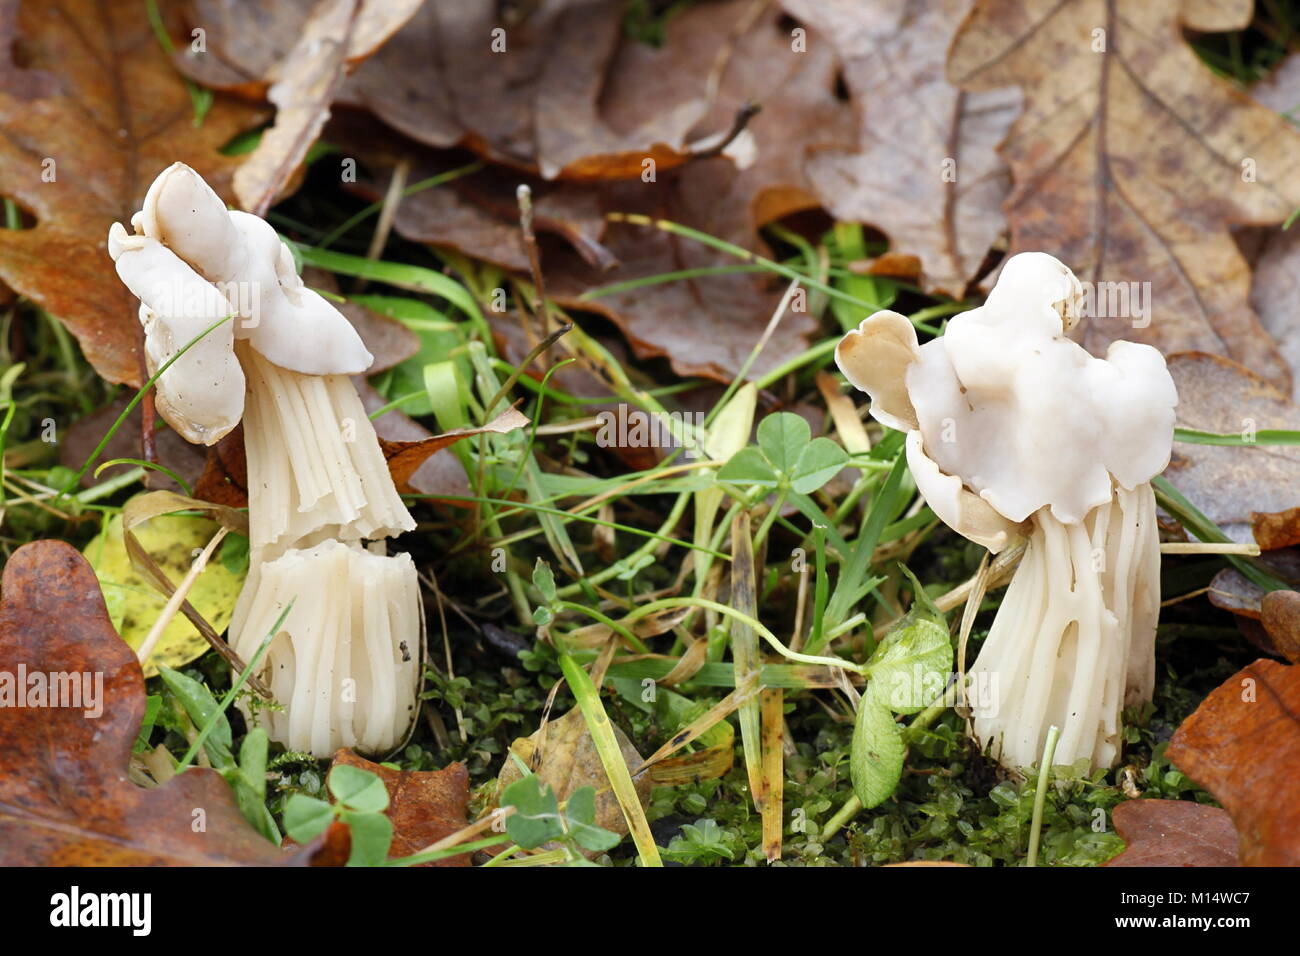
525,196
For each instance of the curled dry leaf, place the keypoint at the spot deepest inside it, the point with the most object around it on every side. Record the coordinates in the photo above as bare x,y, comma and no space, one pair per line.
1236,487
1174,833
1243,745
225,478
405,457
1280,615
1132,160
424,806
93,113
915,129
65,797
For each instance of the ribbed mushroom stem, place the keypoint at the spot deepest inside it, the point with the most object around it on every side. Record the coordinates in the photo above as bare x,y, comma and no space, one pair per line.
1072,641
314,463
345,663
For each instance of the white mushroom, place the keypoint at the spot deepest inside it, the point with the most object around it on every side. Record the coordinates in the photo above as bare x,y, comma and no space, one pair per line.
1016,431
346,661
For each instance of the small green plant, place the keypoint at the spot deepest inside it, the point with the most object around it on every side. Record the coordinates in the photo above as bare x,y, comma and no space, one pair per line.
908,671
700,844
538,818
247,775
360,799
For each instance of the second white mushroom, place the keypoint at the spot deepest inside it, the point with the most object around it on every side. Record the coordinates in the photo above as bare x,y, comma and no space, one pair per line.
1015,431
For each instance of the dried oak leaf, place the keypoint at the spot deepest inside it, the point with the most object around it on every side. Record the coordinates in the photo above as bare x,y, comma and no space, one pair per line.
65,797
1173,833
1235,486
1275,253
1131,164
926,171
424,805
705,325
1243,745
99,111
225,476
527,94
1232,591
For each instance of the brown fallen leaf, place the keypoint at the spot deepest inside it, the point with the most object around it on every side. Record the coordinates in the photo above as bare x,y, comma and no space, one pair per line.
442,475
478,215
336,36
91,116
525,90
1131,164
1173,833
242,40
705,325
404,457
567,761
1280,615
526,94
65,797
424,805
84,435
1235,486
1243,745
926,171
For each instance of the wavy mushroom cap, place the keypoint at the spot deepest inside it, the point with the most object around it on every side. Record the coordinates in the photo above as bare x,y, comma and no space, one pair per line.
1025,417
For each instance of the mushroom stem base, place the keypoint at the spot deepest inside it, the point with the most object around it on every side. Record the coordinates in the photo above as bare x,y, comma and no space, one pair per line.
345,663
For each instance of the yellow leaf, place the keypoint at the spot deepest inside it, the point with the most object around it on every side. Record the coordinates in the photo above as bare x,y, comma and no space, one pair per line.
134,604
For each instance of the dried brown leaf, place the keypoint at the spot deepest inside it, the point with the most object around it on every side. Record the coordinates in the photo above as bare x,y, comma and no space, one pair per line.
336,36
1280,615
1174,833
93,114
1131,164
1243,745
65,797
1233,485
404,457
424,806
913,122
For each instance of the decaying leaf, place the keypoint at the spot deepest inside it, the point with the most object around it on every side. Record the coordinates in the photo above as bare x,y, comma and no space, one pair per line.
1174,833
335,37
926,171
65,798
96,113
424,805
404,457
134,603
1280,615
82,437
536,106
1132,160
1243,745
1233,485
567,761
